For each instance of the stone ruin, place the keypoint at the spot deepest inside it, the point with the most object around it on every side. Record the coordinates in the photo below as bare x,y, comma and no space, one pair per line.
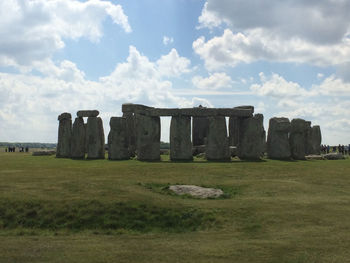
137,133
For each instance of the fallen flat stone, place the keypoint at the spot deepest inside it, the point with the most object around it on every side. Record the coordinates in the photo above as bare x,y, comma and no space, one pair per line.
88,113
314,157
196,191
334,156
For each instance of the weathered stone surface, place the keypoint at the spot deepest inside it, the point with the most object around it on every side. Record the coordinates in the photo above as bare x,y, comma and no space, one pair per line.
180,138
196,191
131,132
78,139
95,138
242,111
64,116
217,147
198,149
333,156
200,128
314,157
316,139
64,135
277,139
118,139
251,138
147,137
88,113
234,124
297,139
308,138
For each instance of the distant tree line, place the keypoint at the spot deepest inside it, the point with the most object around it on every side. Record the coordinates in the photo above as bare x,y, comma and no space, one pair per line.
28,144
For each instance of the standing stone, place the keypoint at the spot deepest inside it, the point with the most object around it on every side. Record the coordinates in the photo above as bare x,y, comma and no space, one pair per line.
118,139
217,147
297,139
64,135
277,139
200,127
78,139
131,133
180,138
251,140
234,123
95,138
147,137
316,139
86,141
308,139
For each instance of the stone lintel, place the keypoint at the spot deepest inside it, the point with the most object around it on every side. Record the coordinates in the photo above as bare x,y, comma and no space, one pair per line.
242,111
88,113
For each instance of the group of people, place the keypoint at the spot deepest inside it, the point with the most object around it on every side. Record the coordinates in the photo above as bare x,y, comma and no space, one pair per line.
343,149
12,149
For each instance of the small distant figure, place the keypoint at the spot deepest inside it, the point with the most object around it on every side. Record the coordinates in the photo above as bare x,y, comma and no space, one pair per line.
27,149
6,149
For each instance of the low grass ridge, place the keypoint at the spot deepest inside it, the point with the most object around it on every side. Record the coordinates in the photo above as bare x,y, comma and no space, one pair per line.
92,214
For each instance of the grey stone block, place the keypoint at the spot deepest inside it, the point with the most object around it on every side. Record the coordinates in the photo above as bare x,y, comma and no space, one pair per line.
251,138
88,113
277,140
78,139
297,139
95,138
64,135
180,138
118,139
217,147
147,137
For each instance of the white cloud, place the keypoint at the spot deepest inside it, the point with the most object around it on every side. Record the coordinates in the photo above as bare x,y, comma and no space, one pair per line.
277,87
167,40
30,104
258,44
172,65
319,22
213,82
32,31
333,86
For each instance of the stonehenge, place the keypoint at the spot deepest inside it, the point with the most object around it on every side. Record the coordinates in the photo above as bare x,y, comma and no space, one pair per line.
137,133
278,138
217,146
180,139
64,135
118,139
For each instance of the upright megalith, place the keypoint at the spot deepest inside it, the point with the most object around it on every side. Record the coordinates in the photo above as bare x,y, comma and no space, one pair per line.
147,137
95,138
277,139
78,139
200,127
234,124
297,139
118,139
64,135
131,132
217,146
316,139
251,138
308,139
180,138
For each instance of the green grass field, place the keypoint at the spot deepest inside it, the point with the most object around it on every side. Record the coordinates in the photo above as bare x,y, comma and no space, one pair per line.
62,210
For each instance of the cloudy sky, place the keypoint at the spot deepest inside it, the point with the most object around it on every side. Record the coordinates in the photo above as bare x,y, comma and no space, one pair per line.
287,58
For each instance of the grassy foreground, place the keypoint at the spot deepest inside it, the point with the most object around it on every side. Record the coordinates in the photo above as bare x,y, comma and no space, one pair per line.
61,210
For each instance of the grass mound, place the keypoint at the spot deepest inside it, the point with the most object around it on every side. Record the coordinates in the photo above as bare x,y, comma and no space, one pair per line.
95,215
